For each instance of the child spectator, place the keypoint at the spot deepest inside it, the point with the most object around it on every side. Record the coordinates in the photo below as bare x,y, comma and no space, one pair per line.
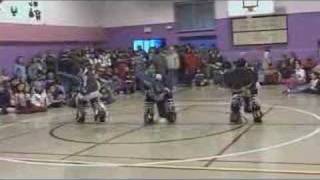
38,98
22,99
298,78
56,95
285,71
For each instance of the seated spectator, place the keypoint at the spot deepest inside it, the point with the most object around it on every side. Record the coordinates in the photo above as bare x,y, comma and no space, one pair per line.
56,95
22,99
285,71
298,78
293,60
312,87
38,98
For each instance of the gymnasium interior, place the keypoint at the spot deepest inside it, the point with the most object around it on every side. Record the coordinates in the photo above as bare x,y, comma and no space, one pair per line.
159,89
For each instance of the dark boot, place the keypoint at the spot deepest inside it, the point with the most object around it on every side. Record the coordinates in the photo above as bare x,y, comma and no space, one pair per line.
235,118
247,105
81,117
257,113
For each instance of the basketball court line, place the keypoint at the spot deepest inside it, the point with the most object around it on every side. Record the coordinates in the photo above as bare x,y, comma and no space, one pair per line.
162,159
233,141
158,164
227,169
52,134
276,146
105,141
150,142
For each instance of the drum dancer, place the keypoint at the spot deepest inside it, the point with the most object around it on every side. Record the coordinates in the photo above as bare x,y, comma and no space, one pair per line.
243,83
158,93
89,94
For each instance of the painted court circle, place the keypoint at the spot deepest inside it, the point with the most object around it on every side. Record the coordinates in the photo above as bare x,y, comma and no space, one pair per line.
50,162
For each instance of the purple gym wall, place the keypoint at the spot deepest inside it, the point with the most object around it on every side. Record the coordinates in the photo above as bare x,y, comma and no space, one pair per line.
29,40
303,36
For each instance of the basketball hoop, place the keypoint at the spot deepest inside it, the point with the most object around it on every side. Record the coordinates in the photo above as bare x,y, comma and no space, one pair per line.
250,5
250,9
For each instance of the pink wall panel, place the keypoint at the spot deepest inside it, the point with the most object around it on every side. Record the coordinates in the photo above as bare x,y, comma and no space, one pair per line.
43,33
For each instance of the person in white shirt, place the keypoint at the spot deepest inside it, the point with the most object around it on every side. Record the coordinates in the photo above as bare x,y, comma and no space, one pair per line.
39,99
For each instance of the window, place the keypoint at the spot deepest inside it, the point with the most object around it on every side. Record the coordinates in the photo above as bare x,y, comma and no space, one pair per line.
194,15
146,44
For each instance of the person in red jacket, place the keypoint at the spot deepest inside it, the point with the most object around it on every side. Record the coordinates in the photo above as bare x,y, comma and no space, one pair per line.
191,64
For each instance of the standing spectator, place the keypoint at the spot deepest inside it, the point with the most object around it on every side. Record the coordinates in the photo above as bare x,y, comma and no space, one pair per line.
36,70
139,70
173,64
191,63
159,61
51,62
141,51
19,69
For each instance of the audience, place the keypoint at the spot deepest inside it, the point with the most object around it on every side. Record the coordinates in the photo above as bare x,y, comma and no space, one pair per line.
37,85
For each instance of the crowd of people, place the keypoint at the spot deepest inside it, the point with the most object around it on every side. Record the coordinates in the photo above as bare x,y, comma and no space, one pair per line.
50,79
295,74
